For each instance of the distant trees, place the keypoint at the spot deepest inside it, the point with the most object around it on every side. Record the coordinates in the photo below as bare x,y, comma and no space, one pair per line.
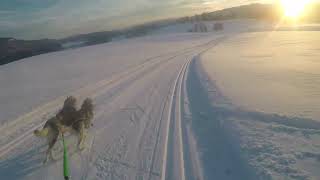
199,27
252,11
12,49
218,26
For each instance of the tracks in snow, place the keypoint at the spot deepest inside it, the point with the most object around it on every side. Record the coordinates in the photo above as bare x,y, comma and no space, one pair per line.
173,166
176,135
169,131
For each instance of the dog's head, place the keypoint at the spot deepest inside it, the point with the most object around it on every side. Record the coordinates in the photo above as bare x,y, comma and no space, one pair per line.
41,133
36,132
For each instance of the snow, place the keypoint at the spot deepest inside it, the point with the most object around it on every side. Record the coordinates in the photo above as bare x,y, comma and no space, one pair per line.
73,44
233,104
37,76
279,69
269,91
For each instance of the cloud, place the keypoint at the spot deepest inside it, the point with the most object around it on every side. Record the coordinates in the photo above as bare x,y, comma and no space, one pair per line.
33,19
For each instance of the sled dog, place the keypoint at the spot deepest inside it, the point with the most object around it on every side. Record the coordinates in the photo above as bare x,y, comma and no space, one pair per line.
68,119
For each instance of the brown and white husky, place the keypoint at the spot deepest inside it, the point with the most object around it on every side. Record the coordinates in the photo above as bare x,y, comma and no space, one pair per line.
68,119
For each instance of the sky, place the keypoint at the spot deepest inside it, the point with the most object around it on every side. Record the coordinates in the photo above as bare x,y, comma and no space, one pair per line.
35,19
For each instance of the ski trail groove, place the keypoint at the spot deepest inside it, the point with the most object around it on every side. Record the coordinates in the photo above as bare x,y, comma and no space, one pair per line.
178,84
176,93
180,111
158,136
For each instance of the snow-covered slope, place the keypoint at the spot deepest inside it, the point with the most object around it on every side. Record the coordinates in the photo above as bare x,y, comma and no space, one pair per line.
172,105
279,69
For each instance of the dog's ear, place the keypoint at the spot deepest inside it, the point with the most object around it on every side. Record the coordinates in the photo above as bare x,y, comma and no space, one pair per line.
87,104
70,102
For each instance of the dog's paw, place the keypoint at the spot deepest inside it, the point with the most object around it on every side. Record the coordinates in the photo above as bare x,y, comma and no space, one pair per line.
53,159
45,161
81,148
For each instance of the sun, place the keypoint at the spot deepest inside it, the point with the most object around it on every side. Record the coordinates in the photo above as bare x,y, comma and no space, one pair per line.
294,8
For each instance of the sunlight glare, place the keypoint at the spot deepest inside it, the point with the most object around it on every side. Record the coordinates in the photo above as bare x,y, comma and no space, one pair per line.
294,8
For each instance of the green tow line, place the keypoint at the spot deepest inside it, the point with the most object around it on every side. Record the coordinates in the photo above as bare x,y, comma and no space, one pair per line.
66,172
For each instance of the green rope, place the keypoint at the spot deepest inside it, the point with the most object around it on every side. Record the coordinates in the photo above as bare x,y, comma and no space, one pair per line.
66,172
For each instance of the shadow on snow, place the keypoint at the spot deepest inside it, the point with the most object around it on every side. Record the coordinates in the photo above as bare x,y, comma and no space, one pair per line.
20,166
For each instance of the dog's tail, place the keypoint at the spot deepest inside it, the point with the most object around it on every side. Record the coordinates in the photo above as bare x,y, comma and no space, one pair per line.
41,133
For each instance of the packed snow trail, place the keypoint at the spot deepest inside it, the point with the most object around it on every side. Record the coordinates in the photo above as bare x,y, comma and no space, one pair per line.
131,137
174,134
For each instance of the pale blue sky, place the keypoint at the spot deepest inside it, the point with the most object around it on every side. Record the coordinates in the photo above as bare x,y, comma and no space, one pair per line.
34,19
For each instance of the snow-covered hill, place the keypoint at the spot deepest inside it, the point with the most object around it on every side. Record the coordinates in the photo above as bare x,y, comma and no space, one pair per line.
172,105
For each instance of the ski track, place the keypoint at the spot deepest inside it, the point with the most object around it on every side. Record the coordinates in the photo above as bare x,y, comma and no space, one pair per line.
140,149
175,148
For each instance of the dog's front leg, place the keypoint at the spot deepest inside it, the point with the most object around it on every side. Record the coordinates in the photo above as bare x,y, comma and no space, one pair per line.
47,156
52,139
51,156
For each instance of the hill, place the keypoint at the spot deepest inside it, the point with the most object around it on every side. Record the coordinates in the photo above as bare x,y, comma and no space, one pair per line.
12,49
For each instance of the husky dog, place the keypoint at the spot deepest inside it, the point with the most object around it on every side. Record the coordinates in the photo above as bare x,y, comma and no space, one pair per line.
68,119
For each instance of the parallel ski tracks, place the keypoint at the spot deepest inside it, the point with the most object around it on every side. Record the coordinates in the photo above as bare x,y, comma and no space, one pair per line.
175,116
175,106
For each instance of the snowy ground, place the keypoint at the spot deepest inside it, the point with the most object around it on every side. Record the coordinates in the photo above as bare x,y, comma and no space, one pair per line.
172,105
270,87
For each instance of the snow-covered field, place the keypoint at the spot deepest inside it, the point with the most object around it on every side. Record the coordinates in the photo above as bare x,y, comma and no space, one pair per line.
172,105
270,85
